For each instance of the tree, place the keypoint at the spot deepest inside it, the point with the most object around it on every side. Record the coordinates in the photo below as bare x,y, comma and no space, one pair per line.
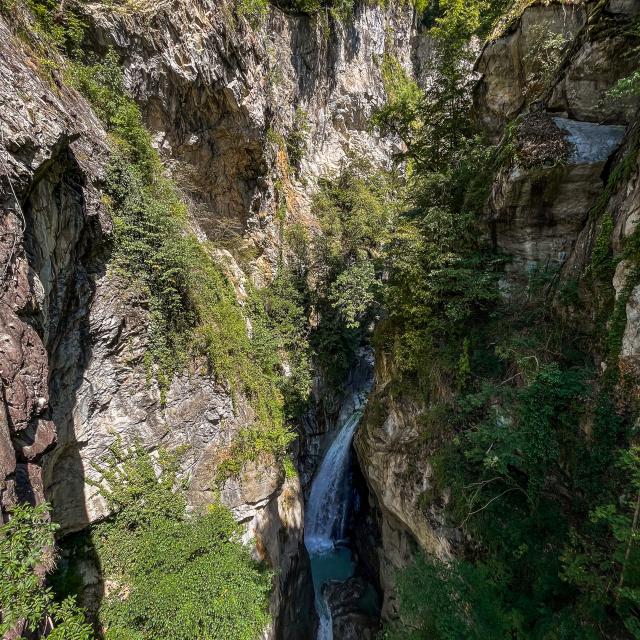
449,601
173,575
605,562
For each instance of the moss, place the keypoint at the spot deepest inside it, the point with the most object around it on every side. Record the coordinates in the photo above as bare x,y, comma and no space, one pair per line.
376,412
611,310
621,172
603,262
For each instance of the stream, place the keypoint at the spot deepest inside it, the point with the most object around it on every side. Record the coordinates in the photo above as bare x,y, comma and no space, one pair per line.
328,508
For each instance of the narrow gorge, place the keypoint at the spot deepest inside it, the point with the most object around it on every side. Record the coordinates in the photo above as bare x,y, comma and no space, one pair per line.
319,319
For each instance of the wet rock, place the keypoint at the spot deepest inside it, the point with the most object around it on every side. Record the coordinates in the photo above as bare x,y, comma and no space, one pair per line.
347,602
590,142
541,200
395,462
544,210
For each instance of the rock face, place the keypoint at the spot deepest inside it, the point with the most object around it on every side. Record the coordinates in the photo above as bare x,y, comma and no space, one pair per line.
349,621
538,205
219,94
248,118
570,159
220,98
396,464
509,67
51,216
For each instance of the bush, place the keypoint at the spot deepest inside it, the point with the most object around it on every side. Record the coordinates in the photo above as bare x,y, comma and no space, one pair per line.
24,542
173,575
296,141
442,601
26,553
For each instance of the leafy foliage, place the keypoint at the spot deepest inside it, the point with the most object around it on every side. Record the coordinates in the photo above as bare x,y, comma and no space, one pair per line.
296,141
526,433
23,543
26,553
441,274
450,601
174,575
356,210
606,566
543,57
627,86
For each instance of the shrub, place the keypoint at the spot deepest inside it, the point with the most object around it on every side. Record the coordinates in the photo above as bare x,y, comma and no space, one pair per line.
442,601
296,141
173,575
25,542
356,210
255,11
26,553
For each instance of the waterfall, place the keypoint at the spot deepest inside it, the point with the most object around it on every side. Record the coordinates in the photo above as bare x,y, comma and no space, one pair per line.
326,519
329,500
327,511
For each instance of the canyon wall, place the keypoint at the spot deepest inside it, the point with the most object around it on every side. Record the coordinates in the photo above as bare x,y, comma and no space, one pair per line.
563,138
218,95
222,97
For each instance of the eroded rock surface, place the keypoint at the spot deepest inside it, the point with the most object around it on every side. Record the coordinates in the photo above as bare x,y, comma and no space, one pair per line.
50,150
218,94
509,67
220,98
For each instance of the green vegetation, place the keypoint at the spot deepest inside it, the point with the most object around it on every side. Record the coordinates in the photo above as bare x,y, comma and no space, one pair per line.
355,210
194,313
534,443
537,445
629,86
66,35
296,141
543,57
443,601
442,276
172,575
26,554
255,11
